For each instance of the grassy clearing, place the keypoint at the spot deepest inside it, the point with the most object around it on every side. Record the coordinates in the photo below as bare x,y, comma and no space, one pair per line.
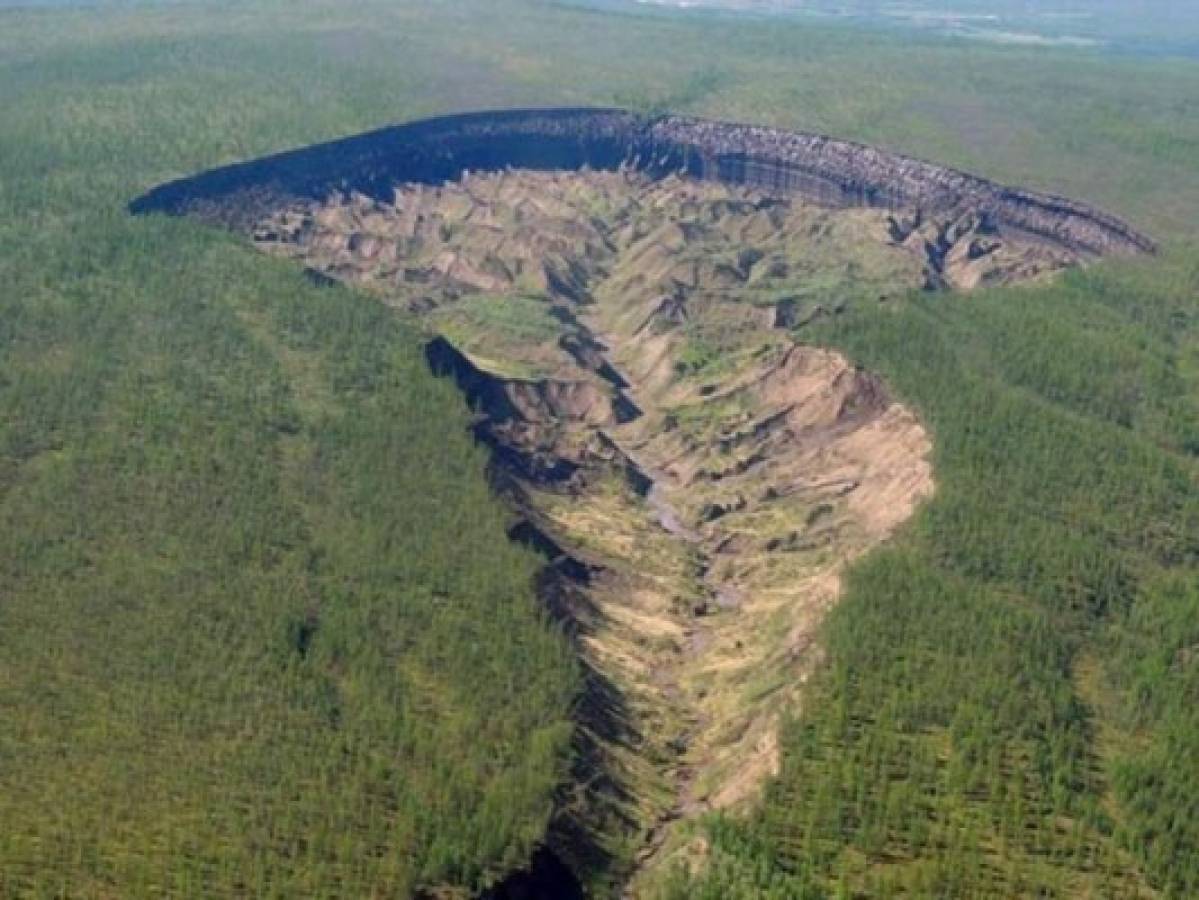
509,335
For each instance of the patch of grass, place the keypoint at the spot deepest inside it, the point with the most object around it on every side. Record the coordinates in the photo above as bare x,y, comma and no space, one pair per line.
516,334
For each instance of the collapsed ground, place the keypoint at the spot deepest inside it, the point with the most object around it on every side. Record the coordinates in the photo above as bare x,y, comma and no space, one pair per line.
698,477
1062,417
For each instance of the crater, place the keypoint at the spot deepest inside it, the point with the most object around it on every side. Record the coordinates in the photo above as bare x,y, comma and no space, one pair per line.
623,302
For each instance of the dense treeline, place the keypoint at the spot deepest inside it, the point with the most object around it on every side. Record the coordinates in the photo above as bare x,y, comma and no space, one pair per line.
1009,707
231,660
261,632
261,629
1155,675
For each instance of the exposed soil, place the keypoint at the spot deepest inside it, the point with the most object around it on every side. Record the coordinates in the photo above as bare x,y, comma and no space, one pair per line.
817,168
698,476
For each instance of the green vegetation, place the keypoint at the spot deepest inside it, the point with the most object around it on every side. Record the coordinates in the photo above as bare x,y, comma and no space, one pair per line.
1010,701
498,332
1156,27
260,630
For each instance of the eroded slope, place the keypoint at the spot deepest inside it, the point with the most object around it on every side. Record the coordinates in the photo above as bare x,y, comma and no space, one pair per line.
699,476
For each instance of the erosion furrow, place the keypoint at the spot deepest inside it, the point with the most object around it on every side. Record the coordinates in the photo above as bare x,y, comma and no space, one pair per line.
696,476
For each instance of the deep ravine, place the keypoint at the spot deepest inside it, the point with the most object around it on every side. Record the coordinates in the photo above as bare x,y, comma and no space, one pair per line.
630,337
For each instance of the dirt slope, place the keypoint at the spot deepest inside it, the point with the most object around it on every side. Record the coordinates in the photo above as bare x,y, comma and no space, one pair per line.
697,476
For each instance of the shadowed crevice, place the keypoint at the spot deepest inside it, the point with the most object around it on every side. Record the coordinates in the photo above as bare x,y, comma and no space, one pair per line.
818,168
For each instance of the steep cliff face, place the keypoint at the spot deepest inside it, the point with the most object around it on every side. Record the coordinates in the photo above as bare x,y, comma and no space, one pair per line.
818,168
845,173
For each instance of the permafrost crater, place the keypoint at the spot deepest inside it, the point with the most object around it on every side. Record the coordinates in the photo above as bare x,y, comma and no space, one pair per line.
620,298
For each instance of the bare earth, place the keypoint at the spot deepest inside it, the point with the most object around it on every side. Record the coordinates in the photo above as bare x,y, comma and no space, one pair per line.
700,476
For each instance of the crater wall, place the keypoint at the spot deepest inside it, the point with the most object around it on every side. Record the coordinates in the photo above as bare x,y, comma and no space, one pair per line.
696,476
818,168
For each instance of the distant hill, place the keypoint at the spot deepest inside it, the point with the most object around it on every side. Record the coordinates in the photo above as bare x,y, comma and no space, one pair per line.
1152,27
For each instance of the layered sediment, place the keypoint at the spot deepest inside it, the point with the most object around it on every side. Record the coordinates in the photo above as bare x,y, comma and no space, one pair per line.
623,302
817,168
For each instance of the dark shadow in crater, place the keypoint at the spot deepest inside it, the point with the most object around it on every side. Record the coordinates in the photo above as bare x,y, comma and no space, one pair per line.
546,878
818,168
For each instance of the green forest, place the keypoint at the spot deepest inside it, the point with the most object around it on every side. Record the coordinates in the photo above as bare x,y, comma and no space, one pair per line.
253,580
1009,708
262,632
